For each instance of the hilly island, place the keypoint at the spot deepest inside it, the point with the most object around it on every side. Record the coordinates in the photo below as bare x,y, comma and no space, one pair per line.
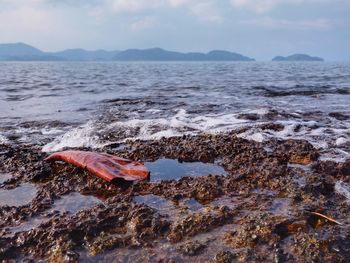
296,58
24,52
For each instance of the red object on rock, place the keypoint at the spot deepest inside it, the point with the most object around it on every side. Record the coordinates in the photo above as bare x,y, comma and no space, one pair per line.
105,166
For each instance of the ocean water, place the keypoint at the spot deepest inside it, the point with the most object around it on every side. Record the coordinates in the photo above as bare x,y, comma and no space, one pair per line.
55,105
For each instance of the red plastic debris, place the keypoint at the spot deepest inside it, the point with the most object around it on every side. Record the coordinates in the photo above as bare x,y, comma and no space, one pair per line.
105,166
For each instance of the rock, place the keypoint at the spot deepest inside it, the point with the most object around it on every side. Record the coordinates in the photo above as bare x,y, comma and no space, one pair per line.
224,257
191,248
339,116
249,116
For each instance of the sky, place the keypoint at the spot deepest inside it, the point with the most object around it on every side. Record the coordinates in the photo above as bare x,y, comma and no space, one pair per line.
260,29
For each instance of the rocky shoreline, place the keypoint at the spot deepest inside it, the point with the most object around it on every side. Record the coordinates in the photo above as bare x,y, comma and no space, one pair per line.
262,210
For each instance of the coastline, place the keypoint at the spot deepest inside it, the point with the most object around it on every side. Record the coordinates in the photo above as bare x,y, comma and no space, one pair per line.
261,210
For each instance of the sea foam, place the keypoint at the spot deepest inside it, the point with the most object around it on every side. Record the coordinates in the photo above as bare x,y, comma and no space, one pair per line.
3,139
96,134
92,133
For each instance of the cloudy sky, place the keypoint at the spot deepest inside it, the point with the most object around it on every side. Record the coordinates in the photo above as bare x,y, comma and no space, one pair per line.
258,28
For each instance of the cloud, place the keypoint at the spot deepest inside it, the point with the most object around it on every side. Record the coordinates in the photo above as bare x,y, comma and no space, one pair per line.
257,6
143,23
133,6
21,2
98,15
261,6
270,23
40,24
177,3
136,6
26,19
32,25
206,11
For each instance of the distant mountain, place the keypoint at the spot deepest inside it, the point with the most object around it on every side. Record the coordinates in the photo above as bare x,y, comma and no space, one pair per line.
221,55
85,55
23,52
158,54
297,57
19,49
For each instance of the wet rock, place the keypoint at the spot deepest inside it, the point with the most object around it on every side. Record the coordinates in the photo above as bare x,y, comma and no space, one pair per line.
337,170
249,116
290,227
345,168
339,116
258,230
272,126
63,251
191,248
317,246
258,212
105,242
326,167
208,190
296,151
199,223
224,257
146,223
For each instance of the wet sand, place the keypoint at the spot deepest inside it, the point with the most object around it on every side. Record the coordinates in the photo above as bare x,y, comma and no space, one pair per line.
255,203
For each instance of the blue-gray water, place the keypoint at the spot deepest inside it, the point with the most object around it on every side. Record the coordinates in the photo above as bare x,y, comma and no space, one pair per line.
55,105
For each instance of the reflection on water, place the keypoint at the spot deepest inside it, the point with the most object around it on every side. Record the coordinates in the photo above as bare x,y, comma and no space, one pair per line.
74,202
167,169
4,177
71,203
18,196
162,205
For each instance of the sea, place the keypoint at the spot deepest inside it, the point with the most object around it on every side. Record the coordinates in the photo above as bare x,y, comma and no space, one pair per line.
55,105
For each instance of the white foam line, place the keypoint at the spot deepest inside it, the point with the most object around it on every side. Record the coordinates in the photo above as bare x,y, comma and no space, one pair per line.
78,137
146,129
92,133
3,139
261,111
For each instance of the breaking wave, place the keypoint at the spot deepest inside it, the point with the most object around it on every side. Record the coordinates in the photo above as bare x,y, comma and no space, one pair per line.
96,134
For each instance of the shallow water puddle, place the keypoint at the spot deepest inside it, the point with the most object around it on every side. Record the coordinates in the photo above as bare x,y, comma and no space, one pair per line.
281,206
192,205
161,204
169,208
18,196
230,202
211,242
71,203
260,191
27,226
305,168
168,169
299,180
75,202
4,177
